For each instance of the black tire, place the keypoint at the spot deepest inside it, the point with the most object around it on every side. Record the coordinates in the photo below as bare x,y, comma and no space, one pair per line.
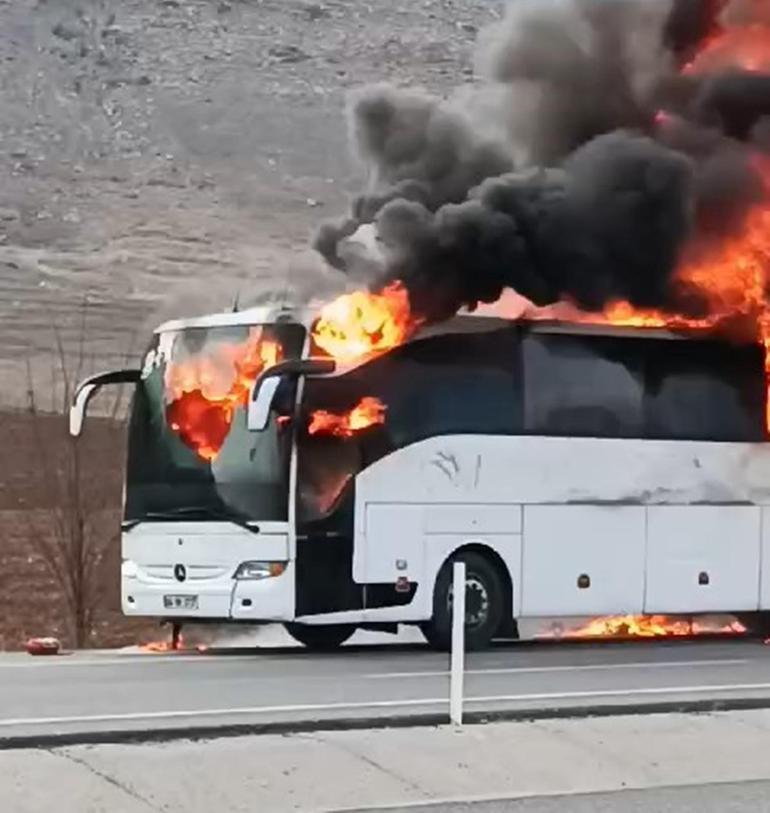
325,638
484,599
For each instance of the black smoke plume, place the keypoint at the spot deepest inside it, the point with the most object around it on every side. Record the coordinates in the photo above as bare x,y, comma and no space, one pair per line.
689,23
544,232
734,102
579,167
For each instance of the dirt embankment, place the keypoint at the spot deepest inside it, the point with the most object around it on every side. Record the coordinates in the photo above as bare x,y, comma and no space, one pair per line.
36,511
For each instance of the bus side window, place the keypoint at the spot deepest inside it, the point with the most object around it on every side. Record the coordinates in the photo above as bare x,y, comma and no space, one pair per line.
326,466
585,386
326,463
705,391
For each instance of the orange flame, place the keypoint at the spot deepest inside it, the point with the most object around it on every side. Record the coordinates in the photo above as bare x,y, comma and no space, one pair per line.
368,412
746,47
156,647
733,278
362,324
204,390
648,626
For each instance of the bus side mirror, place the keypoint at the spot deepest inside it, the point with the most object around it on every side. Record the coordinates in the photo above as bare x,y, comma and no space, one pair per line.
78,409
88,388
266,386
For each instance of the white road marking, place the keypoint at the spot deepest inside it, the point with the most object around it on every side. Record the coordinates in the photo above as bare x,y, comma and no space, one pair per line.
527,670
376,704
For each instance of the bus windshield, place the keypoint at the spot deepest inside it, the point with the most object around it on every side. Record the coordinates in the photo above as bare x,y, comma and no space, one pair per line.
190,454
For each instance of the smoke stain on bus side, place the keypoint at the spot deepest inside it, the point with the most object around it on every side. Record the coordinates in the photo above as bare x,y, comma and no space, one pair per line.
446,462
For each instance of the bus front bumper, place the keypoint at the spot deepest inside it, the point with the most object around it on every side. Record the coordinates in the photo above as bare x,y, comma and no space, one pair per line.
226,598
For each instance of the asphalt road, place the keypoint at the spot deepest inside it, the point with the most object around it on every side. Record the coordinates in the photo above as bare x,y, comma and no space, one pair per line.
733,797
87,694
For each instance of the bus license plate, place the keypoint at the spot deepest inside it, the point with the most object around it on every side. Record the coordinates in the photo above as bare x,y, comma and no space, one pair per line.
180,602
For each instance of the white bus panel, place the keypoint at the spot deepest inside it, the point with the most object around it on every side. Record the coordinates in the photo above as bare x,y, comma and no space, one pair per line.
583,560
702,558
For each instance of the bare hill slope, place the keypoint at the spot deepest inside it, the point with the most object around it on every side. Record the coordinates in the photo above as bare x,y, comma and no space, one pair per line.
156,156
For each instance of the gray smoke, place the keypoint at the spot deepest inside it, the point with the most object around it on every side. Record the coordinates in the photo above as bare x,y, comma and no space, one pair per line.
544,232
564,71
415,148
556,175
734,102
413,139
726,181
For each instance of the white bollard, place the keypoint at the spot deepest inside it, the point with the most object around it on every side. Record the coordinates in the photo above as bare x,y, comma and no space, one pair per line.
457,668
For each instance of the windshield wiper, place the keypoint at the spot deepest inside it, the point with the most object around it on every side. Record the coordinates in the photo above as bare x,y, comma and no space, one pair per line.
195,512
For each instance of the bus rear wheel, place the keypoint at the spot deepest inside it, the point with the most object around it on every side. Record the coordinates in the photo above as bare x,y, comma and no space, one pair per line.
320,638
484,600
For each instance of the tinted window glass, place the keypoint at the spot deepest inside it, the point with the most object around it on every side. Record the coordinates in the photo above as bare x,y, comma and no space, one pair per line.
705,391
587,386
454,385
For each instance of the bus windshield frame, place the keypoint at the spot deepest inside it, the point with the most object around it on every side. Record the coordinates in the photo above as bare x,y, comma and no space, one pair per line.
206,464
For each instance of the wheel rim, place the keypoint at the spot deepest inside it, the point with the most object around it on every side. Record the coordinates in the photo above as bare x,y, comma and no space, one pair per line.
476,601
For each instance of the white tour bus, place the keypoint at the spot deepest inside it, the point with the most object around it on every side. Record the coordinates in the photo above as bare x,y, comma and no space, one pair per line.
578,471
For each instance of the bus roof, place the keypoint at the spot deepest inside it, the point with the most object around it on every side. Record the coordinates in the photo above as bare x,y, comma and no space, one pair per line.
486,318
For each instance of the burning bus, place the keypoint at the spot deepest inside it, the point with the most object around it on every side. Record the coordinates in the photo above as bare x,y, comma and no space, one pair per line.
578,470
605,456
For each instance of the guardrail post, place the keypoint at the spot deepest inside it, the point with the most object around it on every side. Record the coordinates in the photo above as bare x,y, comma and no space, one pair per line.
457,668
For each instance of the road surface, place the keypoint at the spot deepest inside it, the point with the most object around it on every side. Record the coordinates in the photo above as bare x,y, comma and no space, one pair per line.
735,797
97,696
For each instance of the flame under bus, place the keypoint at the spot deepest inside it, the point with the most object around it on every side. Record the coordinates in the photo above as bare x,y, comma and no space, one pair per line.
579,471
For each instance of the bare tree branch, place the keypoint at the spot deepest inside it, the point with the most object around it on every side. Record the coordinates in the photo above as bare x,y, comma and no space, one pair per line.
69,534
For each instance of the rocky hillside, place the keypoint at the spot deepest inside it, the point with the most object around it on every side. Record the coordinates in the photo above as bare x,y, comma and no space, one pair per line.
156,156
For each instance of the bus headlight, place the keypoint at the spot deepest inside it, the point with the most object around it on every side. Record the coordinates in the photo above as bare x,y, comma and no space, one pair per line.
259,570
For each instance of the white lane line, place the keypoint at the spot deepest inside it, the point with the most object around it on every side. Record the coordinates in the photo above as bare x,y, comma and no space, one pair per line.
528,670
378,704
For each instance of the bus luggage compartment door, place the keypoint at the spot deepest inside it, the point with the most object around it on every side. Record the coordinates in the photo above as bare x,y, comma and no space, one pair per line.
583,560
702,558
389,554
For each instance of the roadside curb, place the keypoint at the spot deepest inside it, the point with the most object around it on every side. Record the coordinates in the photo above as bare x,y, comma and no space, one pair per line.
432,720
